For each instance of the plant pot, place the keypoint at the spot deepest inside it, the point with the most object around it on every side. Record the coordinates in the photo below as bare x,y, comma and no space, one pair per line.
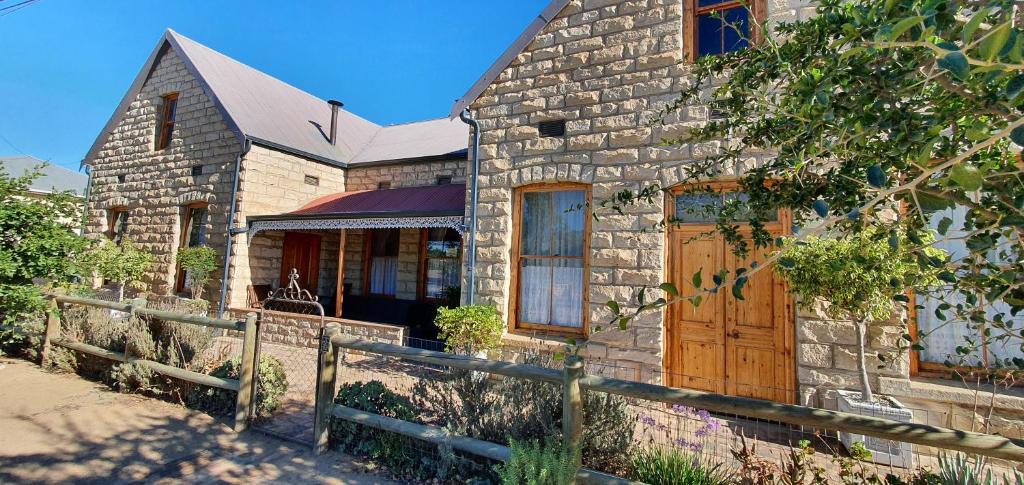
883,451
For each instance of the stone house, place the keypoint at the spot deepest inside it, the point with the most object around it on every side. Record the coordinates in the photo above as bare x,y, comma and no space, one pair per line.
564,119
373,220
202,143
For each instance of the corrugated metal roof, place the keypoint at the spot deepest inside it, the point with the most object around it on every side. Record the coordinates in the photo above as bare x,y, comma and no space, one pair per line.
268,110
449,199
53,178
543,19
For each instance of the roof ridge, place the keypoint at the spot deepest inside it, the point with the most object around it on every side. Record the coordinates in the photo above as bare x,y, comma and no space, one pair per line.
439,118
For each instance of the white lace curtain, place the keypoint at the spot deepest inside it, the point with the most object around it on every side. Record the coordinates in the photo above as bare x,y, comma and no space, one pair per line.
384,262
551,258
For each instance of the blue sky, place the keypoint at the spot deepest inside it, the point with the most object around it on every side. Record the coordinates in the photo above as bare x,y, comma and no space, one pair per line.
65,64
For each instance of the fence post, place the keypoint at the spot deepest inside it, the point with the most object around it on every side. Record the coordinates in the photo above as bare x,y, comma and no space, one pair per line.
246,375
572,406
326,377
52,330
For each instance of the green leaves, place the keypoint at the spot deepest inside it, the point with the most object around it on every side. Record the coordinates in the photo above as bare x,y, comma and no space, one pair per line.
956,63
696,279
966,176
876,176
994,42
1017,135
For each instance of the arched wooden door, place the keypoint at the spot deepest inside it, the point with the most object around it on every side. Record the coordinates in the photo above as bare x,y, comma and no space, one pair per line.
725,344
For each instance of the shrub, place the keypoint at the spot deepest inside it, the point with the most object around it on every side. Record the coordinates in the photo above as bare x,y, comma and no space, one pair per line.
656,466
390,449
22,310
129,377
959,469
537,462
272,385
122,263
198,262
470,329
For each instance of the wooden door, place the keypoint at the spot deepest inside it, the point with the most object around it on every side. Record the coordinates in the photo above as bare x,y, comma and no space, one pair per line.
301,251
728,345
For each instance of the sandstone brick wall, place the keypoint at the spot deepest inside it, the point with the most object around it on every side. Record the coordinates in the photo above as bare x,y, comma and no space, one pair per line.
303,330
274,182
606,67
157,184
413,174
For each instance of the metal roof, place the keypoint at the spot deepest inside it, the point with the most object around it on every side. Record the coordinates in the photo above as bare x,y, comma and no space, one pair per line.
266,110
53,178
430,200
543,19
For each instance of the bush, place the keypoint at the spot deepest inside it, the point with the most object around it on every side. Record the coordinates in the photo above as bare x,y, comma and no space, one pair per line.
22,311
122,263
521,409
656,466
470,329
198,262
128,377
538,463
272,385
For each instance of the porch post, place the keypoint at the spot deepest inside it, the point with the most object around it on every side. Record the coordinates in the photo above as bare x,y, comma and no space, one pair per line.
340,295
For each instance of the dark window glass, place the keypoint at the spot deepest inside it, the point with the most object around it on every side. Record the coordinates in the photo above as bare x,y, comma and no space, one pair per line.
118,225
444,180
443,261
196,230
166,127
197,170
721,30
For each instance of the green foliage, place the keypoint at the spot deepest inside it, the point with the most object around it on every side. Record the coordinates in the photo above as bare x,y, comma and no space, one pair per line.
656,466
470,328
123,263
522,409
198,262
959,469
536,462
22,310
129,377
390,449
801,466
271,387
857,275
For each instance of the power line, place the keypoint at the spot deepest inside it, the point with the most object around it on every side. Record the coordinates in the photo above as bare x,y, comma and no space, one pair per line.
8,142
14,8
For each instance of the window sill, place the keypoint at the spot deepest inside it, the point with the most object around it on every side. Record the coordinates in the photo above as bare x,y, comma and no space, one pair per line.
948,391
537,339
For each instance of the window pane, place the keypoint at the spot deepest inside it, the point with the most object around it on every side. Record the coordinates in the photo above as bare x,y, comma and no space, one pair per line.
171,109
385,242
441,274
197,227
736,27
443,243
744,213
537,222
119,225
709,3
709,34
567,293
535,291
698,207
569,223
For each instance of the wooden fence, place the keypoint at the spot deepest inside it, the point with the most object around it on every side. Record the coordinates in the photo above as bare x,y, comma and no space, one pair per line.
574,382
243,385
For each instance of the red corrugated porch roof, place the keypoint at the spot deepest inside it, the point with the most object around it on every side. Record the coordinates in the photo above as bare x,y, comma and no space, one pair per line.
449,199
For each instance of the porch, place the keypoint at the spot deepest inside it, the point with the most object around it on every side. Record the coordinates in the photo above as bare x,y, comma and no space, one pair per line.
387,256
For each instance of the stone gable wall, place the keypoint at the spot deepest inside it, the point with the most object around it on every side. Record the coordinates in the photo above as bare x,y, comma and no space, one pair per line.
157,184
411,174
607,67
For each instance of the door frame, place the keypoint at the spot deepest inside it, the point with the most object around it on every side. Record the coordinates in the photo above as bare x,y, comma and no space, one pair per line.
783,227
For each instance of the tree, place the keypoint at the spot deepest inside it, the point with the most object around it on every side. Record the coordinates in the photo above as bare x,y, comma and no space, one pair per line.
36,242
123,263
198,263
866,110
860,277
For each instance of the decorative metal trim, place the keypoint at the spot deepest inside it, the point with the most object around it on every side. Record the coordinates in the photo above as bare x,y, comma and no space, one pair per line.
292,291
450,222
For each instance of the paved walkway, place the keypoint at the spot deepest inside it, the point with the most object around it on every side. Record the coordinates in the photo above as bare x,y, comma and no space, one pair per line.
62,428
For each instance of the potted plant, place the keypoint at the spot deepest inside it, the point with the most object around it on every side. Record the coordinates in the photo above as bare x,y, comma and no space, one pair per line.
198,263
122,264
863,278
470,330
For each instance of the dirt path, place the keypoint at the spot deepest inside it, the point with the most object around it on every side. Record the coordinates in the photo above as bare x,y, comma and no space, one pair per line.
62,428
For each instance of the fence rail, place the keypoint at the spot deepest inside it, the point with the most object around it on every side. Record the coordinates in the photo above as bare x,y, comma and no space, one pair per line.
993,446
243,385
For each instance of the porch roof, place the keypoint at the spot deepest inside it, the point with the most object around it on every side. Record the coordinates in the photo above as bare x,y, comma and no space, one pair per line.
404,207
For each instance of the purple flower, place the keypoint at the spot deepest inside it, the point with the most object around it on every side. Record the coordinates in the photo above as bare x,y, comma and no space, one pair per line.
647,420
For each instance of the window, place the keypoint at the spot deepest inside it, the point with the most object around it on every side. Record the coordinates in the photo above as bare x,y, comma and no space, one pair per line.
167,114
117,224
441,262
704,207
444,180
382,261
121,178
383,185
197,170
551,128
550,257
193,233
717,26
312,180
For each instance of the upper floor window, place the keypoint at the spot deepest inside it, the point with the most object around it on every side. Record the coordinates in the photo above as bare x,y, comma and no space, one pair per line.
165,129
718,26
551,257
117,224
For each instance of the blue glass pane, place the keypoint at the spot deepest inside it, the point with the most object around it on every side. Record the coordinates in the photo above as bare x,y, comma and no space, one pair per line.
709,3
709,34
737,29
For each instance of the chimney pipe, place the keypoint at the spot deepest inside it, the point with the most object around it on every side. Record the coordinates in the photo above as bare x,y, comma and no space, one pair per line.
335,105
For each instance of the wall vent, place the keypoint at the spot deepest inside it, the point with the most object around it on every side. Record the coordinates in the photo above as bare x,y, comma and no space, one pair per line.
197,170
551,128
444,180
311,180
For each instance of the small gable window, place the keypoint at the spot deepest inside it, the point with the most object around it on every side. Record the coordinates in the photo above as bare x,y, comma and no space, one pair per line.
168,111
718,27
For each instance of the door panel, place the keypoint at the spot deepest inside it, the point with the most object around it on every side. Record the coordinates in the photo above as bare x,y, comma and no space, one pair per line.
698,328
301,251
